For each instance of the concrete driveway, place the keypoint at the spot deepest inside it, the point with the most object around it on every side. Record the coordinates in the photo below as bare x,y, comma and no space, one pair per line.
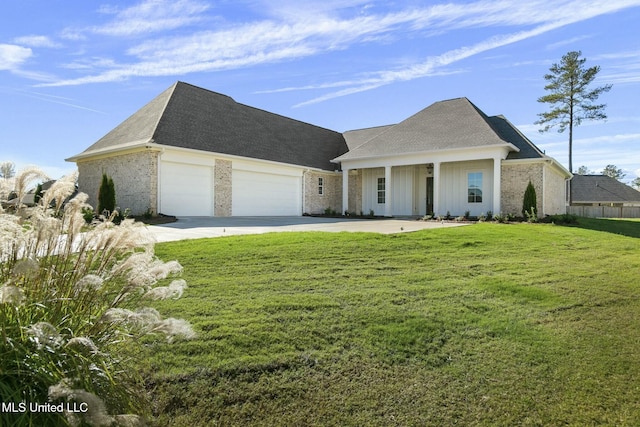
199,227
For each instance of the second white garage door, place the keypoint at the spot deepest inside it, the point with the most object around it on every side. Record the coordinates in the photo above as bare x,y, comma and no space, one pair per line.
265,194
186,189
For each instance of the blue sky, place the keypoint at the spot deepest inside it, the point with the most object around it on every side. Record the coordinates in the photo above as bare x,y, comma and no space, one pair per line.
70,71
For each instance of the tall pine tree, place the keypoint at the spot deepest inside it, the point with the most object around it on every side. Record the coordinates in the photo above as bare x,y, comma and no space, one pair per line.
570,98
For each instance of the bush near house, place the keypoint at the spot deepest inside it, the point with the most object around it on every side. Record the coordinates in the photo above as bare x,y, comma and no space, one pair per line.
529,204
106,196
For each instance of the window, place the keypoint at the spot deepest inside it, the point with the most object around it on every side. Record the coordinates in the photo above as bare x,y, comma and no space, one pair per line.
321,186
381,191
475,187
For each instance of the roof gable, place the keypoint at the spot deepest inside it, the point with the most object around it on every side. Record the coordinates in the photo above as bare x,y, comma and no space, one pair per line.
138,127
601,189
444,125
190,117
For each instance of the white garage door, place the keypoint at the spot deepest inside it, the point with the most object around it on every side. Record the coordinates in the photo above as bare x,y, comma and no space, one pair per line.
186,190
265,194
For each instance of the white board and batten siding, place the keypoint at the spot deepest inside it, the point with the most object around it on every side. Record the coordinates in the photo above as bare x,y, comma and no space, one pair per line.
408,190
454,187
265,189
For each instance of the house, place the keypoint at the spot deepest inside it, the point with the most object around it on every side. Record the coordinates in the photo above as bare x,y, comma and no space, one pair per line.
28,198
194,152
602,190
449,157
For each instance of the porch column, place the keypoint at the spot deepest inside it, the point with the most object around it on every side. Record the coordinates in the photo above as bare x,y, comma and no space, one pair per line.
345,190
436,188
497,176
388,197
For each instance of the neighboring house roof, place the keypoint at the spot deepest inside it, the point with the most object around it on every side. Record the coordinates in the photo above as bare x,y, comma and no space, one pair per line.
601,189
445,125
191,117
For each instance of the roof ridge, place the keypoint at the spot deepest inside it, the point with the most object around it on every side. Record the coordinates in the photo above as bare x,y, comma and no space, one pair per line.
251,106
369,128
284,117
180,82
172,88
487,120
531,143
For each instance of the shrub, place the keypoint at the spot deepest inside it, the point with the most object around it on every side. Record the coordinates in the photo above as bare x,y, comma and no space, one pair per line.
562,219
531,215
38,194
88,214
148,214
330,212
502,218
72,312
106,196
529,203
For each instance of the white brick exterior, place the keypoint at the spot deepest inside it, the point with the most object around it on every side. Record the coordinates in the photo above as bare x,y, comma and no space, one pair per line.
331,197
223,187
135,178
547,180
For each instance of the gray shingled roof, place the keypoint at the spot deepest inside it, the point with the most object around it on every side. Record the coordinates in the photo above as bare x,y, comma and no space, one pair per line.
451,124
601,189
510,133
191,117
356,138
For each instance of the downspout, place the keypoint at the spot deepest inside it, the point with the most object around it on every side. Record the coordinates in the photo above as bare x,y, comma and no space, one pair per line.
544,188
158,182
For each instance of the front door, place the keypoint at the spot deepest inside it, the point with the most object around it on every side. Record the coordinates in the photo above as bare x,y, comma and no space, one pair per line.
430,195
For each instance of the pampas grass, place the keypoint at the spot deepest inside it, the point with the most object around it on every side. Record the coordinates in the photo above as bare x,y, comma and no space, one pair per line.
72,310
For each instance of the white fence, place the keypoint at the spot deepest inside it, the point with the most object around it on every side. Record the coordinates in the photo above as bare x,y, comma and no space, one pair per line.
605,211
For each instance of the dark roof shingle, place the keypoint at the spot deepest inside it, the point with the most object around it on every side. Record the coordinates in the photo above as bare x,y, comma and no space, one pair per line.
191,117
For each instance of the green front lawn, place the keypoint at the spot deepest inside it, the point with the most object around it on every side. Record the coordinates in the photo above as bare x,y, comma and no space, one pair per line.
490,324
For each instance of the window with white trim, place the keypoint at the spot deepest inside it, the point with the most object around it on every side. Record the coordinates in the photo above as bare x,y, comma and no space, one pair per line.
320,186
474,187
381,191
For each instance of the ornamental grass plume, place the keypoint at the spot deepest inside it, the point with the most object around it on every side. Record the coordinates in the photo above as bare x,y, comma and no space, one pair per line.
72,312
25,177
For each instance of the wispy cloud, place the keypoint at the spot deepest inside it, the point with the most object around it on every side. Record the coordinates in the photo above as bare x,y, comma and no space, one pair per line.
151,16
56,100
36,41
13,56
432,66
571,41
312,30
622,67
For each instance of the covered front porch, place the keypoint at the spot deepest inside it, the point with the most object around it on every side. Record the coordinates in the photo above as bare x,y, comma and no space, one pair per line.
430,188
